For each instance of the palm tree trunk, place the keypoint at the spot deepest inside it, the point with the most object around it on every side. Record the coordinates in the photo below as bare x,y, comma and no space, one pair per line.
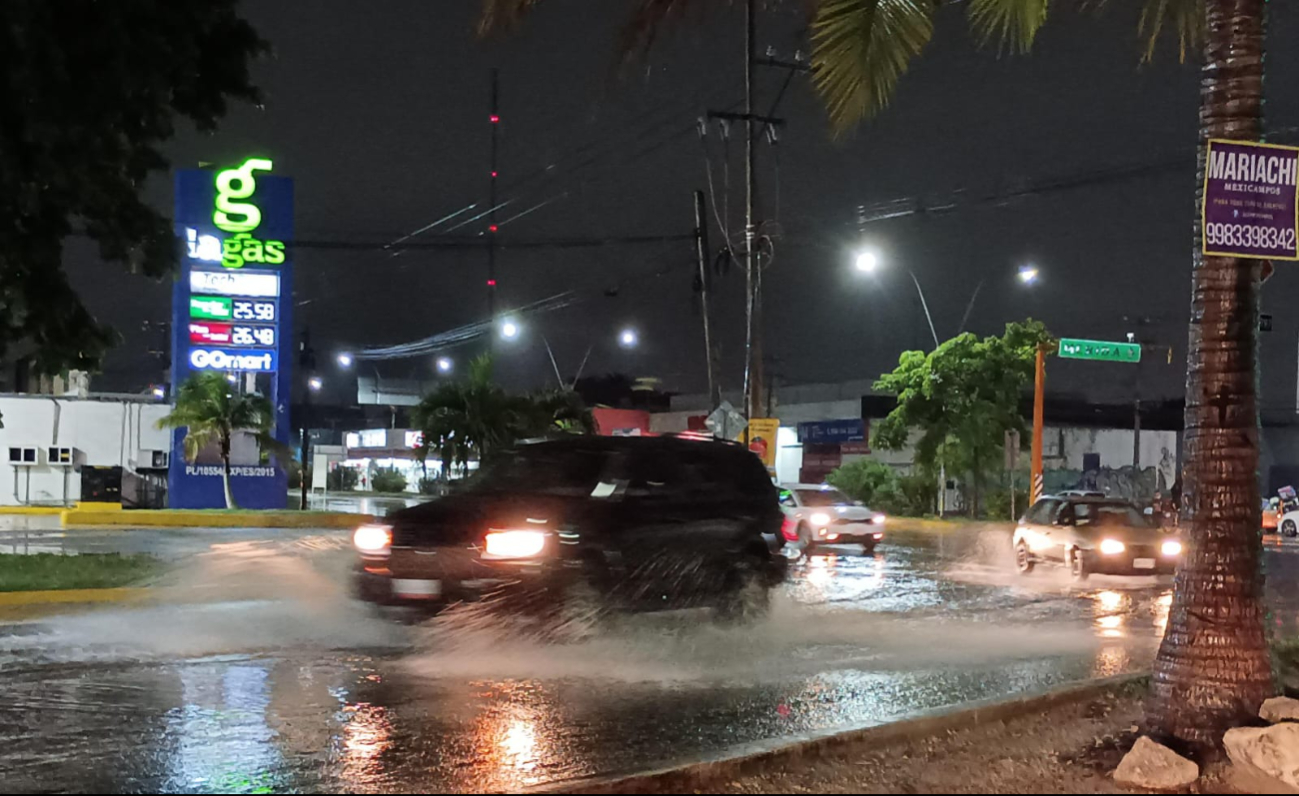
225,473
1213,668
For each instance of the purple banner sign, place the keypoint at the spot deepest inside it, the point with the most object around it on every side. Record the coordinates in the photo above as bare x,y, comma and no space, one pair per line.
1250,201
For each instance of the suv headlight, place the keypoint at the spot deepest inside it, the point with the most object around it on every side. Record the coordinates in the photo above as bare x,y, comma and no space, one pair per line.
1171,548
820,518
373,540
1112,547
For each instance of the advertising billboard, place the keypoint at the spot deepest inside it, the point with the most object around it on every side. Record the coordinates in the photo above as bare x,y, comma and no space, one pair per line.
231,311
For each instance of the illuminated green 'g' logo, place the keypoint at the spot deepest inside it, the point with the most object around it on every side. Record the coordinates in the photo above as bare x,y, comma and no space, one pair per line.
232,184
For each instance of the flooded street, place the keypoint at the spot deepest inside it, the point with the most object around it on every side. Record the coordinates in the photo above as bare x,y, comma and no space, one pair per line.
260,674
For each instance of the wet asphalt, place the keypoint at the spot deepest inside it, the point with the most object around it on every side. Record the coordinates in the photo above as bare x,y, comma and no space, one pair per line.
257,673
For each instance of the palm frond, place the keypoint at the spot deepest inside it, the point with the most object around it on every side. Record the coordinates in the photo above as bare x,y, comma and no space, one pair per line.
1184,17
269,444
502,15
861,48
1013,24
652,16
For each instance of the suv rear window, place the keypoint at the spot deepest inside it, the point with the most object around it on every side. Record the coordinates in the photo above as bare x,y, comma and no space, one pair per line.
542,470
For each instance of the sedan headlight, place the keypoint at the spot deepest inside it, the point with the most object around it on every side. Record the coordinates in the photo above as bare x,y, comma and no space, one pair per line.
373,540
1171,548
878,519
514,544
820,518
1112,547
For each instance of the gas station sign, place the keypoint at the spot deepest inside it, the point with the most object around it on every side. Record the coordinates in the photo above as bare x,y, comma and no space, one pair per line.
230,309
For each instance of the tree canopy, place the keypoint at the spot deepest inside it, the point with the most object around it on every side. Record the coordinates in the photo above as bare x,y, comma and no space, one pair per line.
862,48
92,90
962,398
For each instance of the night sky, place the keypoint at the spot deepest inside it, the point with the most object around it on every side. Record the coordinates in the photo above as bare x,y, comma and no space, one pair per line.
380,112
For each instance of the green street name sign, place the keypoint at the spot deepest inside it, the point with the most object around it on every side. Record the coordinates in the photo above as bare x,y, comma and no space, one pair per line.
1100,350
211,308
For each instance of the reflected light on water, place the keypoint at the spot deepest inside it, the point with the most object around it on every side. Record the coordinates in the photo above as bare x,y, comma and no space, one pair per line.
1110,626
1162,605
367,734
1110,600
519,745
514,748
1111,661
819,570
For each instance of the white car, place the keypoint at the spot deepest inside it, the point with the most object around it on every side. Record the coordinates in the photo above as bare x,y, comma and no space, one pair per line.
1288,525
824,515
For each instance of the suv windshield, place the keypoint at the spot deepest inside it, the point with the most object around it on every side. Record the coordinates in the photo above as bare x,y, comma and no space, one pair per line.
544,470
819,498
1108,515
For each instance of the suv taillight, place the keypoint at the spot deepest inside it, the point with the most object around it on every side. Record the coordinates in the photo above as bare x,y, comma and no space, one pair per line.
789,529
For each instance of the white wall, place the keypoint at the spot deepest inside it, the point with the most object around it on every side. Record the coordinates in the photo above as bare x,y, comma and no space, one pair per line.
102,433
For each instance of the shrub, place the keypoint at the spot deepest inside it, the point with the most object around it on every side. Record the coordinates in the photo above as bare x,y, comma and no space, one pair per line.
342,479
388,479
884,489
864,480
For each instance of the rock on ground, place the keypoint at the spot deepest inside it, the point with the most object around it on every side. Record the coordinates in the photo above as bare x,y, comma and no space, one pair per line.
1279,709
1271,751
1154,767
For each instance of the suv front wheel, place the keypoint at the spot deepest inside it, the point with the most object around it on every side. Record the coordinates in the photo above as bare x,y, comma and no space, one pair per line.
1078,565
1023,561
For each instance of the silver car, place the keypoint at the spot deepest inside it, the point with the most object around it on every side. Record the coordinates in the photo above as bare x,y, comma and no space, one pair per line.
1093,535
821,514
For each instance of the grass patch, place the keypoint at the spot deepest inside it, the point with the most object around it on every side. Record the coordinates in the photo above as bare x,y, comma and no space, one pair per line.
47,571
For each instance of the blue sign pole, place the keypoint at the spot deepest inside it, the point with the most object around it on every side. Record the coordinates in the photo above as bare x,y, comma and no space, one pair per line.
235,232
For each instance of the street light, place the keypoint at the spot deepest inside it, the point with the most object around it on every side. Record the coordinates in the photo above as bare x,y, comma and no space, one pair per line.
509,330
1028,274
444,364
627,338
315,383
345,360
867,261
159,393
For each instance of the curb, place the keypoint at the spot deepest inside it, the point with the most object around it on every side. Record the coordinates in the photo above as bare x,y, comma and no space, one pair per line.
24,599
179,518
696,775
49,511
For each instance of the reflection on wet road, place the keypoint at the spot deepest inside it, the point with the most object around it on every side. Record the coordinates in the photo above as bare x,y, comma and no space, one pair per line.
275,680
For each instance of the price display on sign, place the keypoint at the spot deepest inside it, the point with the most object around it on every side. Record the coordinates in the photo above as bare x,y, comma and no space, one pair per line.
263,336
250,310
210,333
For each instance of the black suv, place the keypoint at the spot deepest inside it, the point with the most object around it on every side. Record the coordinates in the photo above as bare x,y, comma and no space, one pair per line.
643,523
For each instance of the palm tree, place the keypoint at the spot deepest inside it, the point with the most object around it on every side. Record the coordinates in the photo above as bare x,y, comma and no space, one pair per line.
476,417
466,419
1213,668
210,412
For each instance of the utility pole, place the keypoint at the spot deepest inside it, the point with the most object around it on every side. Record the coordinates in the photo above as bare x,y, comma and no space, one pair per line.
307,360
1039,411
495,121
1136,421
752,279
706,300
753,382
